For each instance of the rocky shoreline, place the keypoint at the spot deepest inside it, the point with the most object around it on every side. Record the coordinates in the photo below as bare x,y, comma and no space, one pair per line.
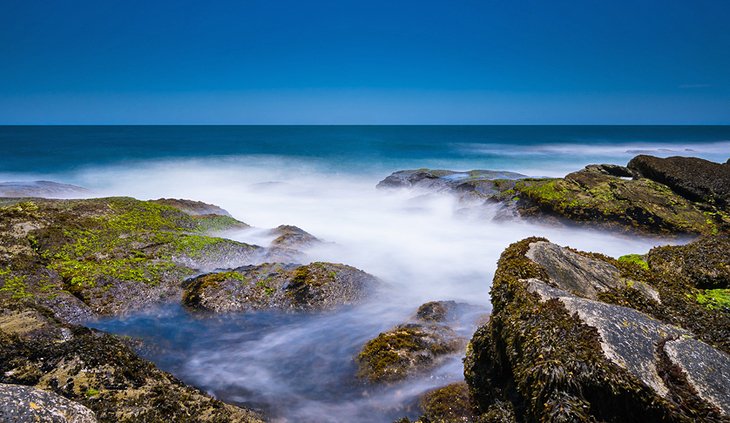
573,336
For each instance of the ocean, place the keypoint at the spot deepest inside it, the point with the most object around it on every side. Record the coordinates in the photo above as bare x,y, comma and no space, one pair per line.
322,178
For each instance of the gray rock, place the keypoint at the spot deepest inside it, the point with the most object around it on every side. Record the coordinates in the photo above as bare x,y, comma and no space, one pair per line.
706,369
21,404
191,207
276,286
581,275
42,189
473,183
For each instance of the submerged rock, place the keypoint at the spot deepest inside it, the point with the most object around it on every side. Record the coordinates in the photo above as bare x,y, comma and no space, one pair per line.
24,404
448,404
288,245
572,338
41,189
413,347
276,286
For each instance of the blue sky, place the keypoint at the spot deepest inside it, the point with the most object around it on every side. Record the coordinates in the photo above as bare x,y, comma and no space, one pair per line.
365,62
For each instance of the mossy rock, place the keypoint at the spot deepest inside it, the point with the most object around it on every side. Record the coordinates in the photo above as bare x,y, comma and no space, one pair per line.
704,263
554,354
406,350
275,286
98,371
448,404
594,197
115,254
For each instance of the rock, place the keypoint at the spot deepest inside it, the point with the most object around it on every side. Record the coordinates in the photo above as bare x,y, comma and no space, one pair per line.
569,339
704,263
598,197
288,245
436,311
480,184
98,371
694,178
23,404
191,207
42,189
274,286
413,347
406,350
451,403
114,254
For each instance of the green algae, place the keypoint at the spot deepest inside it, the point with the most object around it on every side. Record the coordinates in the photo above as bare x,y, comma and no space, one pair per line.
714,299
634,259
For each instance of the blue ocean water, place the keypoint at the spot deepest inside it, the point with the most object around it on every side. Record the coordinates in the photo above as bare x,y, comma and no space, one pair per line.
53,149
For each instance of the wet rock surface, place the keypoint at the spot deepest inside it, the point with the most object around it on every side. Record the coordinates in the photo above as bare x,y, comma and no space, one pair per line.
413,347
275,286
571,339
98,371
23,404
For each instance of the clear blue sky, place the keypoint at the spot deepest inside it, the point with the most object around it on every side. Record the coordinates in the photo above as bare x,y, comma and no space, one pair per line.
369,61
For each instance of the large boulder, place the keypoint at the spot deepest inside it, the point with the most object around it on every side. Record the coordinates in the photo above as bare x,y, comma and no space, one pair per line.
582,337
96,370
275,286
24,404
694,178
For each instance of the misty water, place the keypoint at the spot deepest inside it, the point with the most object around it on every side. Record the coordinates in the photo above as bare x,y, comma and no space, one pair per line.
424,246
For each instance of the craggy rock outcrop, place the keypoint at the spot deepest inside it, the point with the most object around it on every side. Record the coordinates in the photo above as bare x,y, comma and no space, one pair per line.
665,196
582,337
24,404
41,189
411,348
696,179
596,197
93,369
479,184
275,286
112,254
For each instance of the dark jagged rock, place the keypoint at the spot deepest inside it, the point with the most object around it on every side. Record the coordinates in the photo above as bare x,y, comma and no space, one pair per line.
593,196
24,404
412,347
703,263
276,286
41,189
572,339
96,370
696,179
114,254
